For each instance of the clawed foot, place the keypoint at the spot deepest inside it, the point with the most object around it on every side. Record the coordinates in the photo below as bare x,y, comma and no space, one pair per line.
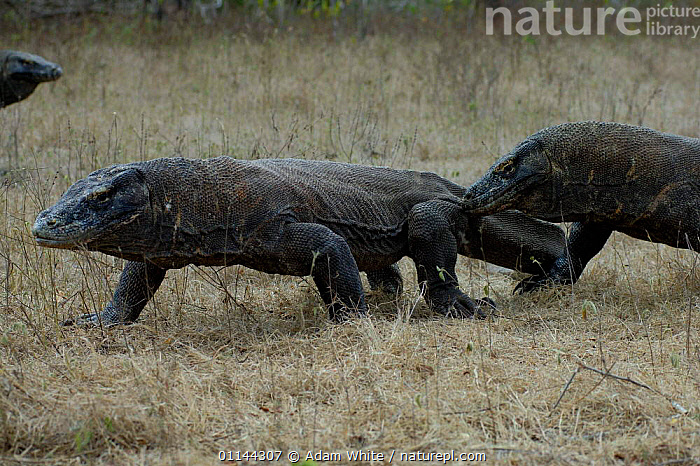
560,273
487,306
89,320
82,320
533,283
339,313
537,283
455,303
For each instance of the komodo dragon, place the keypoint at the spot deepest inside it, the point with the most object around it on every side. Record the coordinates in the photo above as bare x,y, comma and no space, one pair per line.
289,216
21,73
605,177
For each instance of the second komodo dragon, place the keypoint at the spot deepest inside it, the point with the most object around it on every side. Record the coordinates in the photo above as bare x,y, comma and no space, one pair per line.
294,217
604,176
21,73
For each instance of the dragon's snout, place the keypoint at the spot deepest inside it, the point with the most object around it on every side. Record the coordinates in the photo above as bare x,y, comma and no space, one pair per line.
56,73
41,224
50,72
50,231
46,224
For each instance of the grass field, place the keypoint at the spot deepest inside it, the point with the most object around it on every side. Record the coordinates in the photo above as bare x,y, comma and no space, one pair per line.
233,359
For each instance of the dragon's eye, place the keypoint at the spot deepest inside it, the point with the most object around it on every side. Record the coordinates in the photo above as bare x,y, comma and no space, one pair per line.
99,195
25,62
506,168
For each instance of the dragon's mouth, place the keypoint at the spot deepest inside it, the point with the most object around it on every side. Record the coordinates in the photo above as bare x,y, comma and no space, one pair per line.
59,243
49,234
499,198
490,202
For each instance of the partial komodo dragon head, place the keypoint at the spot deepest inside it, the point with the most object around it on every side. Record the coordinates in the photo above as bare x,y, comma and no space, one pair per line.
21,73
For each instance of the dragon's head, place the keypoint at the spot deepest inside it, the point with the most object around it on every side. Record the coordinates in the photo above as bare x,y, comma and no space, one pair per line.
513,182
21,73
97,212
21,66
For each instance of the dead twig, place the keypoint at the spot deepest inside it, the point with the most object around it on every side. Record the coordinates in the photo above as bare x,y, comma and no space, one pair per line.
608,374
621,379
566,387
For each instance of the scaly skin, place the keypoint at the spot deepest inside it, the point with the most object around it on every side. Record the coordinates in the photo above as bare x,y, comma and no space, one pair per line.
604,176
21,73
294,217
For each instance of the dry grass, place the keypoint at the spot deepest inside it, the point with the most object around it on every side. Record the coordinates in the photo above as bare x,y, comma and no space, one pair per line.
233,359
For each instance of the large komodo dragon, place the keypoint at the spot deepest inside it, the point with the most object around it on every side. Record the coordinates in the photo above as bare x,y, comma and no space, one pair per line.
21,73
605,177
290,216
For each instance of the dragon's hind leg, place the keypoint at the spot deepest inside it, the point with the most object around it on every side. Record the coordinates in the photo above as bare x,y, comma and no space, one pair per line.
585,240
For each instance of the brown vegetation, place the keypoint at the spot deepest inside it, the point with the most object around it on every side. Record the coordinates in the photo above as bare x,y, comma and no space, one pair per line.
232,359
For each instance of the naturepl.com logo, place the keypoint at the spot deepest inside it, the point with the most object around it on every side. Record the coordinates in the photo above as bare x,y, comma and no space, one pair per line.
666,20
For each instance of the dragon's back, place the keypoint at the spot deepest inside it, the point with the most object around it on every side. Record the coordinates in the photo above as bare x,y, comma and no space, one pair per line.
613,154
353,200
643,181
342,192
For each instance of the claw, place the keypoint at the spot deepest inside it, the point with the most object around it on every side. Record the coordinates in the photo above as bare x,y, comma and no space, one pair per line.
462,306
530,284
81,320
460,310
537,283
485,307
339,313
89,320
560,273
